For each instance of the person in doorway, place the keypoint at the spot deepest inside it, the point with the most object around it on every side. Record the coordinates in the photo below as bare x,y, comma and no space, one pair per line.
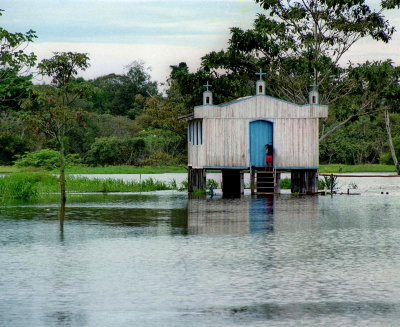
269,156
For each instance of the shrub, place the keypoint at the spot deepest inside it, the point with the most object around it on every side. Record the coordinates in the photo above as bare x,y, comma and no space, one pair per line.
45,159
161,159
286,183
116,151
212,182
10,147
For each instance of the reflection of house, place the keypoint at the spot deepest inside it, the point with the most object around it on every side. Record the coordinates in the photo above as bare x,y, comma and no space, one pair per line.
218,216
232,137
266,214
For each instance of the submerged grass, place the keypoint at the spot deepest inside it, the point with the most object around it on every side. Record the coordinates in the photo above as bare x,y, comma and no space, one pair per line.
75,184
30,186
24,186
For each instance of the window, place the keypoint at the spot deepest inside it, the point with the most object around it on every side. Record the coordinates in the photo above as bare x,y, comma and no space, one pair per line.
201,131
260,89
195,132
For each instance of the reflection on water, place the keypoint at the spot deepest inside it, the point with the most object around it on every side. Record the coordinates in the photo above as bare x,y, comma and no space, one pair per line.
262,214
164,260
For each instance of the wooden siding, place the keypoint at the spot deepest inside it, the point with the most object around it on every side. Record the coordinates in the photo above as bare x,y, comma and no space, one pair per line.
226,143
226,133
261,106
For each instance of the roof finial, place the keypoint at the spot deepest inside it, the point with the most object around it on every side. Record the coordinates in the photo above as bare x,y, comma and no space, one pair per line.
261,74
207,86
313,95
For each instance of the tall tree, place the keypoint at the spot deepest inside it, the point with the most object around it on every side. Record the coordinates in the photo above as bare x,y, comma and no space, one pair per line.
124,94
57,109
298,43
15,65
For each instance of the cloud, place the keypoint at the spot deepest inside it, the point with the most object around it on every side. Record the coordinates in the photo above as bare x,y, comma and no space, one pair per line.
109,58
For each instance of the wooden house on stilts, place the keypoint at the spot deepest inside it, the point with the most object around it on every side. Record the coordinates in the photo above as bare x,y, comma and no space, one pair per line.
232,137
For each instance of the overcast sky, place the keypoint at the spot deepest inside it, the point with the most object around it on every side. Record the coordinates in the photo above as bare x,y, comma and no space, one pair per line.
162,33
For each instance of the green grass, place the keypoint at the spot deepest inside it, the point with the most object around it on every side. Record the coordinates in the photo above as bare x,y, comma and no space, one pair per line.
331,168
116,185
125,170
14,169
36,185
102,170
335,168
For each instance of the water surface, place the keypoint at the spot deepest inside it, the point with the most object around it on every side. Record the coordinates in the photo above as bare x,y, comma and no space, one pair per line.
162,259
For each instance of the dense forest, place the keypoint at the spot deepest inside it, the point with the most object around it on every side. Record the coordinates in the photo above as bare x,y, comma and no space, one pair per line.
125,119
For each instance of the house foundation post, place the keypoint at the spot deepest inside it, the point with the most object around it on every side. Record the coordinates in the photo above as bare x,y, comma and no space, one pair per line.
304,181
196,179
232,183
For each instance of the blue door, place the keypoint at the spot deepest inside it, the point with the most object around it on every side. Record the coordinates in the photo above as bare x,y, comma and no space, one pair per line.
260,135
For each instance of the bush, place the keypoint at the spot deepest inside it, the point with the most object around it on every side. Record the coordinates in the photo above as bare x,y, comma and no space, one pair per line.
161,159
10,147
116,151
158,140
45,159
286,183
212,182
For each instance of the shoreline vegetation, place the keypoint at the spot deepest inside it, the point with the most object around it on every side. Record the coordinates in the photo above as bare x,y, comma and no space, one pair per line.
30,184
328,168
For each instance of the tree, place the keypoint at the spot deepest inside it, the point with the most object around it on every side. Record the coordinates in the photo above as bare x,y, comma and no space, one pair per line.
56,109
15,64
298,43
375,93
124,94
320,28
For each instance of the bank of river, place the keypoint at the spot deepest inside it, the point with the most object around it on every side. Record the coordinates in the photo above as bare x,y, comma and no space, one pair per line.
363,185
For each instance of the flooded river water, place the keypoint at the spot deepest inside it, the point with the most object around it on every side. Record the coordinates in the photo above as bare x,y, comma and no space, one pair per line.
161,259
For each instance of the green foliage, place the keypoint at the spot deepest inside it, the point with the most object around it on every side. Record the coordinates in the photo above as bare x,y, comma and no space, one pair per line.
24,186
15,63
184,185
386,157
116,151
125,169
211,182
11,55
336,168
159,158
285,183
328,182
11,146
124,94
30,186
199,193
63,66
163,140
361,141
45,159
80,184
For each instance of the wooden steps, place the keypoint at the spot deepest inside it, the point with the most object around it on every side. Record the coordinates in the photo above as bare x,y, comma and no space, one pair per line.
265,183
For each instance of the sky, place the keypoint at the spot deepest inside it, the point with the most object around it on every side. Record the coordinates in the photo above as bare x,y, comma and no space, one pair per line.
160,32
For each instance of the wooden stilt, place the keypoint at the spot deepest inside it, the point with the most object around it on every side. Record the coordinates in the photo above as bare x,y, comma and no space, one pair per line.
196,179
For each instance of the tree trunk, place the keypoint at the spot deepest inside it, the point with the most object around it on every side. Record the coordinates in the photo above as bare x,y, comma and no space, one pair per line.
335,128
389,134
63,197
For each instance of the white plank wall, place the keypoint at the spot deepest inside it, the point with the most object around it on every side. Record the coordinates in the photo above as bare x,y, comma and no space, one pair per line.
226,133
